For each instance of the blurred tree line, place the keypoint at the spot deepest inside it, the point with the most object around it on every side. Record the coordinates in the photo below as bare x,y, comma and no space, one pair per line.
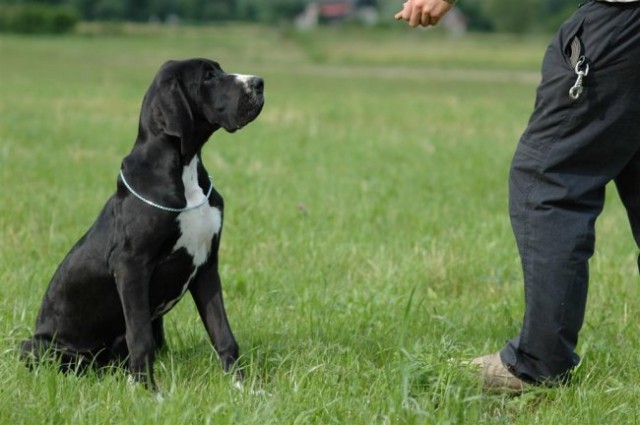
516,16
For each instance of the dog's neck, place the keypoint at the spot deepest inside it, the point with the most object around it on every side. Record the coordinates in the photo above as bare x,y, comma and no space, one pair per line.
153,146
155,165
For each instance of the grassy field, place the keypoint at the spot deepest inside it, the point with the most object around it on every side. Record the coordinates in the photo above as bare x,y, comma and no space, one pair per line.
367,245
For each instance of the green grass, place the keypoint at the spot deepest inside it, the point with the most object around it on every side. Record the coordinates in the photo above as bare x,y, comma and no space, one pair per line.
366,248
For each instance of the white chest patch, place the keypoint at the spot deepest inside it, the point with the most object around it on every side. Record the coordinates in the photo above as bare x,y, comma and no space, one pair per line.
197,228
198,225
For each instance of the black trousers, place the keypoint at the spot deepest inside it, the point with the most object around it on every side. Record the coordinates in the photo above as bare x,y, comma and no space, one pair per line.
570,150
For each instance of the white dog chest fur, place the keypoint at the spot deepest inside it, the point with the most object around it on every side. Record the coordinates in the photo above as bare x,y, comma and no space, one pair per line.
199,225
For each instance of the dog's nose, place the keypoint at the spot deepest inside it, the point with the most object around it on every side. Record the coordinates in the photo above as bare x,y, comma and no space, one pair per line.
257,84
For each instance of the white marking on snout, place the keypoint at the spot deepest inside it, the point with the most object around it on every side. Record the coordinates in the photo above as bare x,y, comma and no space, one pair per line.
244,80
197,228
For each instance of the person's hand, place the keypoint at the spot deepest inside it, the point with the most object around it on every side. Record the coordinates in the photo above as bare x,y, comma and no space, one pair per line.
423,12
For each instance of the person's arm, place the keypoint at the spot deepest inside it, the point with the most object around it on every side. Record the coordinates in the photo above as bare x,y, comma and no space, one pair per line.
424,12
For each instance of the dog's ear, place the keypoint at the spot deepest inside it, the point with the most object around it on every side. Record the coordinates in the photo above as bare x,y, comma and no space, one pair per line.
172,111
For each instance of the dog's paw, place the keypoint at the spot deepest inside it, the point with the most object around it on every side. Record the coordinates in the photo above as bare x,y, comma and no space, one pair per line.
248,389
140,381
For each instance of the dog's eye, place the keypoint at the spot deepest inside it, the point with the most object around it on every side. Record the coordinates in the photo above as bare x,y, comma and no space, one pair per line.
209,75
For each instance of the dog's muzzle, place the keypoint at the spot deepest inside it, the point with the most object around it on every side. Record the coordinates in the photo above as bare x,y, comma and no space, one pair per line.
252,99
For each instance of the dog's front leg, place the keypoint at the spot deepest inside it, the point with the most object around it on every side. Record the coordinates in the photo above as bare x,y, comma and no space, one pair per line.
207,294
157,328
133,288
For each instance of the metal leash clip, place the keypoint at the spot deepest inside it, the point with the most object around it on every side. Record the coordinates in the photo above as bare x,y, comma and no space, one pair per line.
581,71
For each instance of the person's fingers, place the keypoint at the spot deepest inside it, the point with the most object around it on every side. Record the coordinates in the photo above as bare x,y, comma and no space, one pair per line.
416,17
405,12
426,19
421,14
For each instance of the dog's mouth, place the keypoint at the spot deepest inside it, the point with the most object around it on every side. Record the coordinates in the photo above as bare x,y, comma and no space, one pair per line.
247,112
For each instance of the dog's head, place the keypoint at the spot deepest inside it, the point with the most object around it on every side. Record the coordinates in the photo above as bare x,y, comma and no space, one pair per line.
191,99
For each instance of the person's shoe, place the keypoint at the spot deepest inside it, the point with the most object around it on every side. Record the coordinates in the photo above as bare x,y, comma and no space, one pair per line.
495,376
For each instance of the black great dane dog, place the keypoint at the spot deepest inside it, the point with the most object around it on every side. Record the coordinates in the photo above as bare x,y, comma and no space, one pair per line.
156,237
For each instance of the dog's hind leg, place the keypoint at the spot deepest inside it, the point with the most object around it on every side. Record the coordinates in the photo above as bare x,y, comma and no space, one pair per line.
38,350
33,350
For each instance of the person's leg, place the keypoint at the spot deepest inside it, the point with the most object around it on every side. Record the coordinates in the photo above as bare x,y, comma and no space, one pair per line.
569,152
628,184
